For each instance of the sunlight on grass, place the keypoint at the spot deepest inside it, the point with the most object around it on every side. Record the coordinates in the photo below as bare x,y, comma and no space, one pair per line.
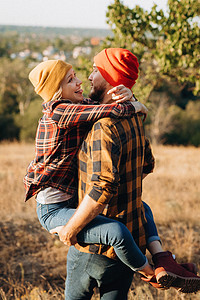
33,263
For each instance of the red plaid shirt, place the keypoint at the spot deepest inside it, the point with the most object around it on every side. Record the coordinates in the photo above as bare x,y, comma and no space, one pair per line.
59,135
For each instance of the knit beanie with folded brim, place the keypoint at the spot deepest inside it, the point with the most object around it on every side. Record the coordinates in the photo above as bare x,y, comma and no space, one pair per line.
47,77
117,66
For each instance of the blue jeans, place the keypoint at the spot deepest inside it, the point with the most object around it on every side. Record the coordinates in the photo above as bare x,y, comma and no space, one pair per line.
150,227
86,271
101,230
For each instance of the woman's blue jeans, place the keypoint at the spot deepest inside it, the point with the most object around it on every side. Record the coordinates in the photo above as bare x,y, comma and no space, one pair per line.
101,230
150,227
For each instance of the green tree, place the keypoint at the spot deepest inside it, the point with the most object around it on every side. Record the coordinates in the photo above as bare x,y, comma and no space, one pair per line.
16,94
173,40
83,68
9,130
16,91
179,42
186,126
29,122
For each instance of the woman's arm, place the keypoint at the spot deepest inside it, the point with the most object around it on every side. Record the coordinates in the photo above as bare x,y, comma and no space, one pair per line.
68,115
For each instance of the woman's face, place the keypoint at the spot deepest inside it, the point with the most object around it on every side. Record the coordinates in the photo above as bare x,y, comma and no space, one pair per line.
71,87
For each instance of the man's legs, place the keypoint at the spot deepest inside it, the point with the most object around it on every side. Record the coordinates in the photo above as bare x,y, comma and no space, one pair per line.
78,285
85,271
119,289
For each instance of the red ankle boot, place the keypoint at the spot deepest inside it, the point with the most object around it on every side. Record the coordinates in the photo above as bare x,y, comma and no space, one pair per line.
170,274
188,266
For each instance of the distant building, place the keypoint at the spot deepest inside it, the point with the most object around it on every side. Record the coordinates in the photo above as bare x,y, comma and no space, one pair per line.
13,55
49,51
95,41
61,55
37,56
81,51
24,54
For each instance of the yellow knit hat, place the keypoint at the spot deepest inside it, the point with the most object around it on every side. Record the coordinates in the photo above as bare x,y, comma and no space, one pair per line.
47,76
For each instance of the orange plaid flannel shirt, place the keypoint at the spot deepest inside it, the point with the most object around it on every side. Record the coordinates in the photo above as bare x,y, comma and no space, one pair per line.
112,160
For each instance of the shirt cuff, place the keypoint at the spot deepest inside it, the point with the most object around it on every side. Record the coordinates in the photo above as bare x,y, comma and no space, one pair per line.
133,102
101,196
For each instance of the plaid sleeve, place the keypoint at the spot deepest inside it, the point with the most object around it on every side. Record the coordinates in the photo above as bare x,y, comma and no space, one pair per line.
67,115
88,101
149,161
104,163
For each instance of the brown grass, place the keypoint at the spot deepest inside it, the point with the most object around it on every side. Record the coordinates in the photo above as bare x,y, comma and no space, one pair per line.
32,263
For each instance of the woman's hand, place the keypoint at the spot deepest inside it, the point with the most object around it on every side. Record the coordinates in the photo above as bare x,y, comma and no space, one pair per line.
121,94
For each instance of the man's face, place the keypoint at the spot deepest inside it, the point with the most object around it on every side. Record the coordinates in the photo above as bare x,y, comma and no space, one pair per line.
99,85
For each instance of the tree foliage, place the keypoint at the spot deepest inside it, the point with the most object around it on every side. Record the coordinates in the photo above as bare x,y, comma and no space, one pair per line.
16,94
186,126
15,89
172,39
29,121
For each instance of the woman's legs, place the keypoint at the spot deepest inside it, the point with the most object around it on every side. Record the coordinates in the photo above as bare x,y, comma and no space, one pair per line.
54,215
101,230
153,240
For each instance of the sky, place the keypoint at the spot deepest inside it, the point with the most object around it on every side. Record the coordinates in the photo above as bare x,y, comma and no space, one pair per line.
64,13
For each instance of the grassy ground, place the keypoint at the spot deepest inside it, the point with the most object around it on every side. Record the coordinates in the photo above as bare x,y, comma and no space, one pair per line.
33,263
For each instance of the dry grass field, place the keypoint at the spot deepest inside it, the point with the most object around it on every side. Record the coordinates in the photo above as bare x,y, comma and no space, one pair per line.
33,263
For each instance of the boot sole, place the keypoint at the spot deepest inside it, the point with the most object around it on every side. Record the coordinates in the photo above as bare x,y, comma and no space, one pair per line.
182,284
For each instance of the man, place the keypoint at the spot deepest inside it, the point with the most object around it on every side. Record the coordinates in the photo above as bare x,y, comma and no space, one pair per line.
112,161
114,169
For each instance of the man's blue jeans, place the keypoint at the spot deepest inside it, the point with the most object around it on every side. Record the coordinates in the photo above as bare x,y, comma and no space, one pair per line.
101,230
86,271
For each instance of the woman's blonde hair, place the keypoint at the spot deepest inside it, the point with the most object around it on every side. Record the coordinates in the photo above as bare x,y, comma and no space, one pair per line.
58,94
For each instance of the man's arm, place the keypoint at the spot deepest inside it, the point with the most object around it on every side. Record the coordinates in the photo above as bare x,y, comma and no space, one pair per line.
149,160
86,212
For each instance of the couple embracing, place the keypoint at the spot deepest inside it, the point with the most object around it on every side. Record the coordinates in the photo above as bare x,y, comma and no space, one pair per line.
91,158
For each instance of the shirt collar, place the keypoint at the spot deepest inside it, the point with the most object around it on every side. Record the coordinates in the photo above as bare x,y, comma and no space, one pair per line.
50,105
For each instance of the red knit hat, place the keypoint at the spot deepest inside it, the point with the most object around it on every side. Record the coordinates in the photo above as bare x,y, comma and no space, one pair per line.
117,66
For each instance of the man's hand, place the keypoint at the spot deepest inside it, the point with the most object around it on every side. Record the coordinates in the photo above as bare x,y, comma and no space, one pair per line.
66,235
121,94
86,212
